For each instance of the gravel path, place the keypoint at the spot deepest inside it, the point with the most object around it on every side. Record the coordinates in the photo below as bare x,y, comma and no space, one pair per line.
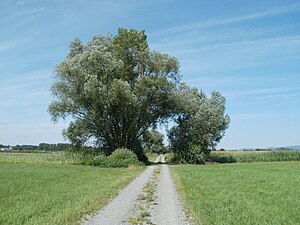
118,210
166,209
160,159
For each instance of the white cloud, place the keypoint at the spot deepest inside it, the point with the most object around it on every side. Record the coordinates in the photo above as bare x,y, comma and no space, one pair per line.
217,22
19,14
204,38
237,55
8,45
271,96
291,41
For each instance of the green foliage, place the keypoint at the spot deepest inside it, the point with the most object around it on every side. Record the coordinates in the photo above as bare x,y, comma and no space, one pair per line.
152,156
114,88
42,147
26,147
54,147
271,156
4,146
200,125
222,158
169,157
153,142
99,160
122,157
57,193
252,193
83,156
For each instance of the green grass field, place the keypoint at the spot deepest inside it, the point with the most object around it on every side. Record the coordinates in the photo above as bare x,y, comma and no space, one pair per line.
53,193
248,193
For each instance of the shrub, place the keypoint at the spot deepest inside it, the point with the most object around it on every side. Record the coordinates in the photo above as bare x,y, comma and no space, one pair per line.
170,158
99,160
193,154
82,156
221,158
122,157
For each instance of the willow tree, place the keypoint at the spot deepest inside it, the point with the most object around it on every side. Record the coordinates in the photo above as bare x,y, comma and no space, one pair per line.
200,125
114,88
153,142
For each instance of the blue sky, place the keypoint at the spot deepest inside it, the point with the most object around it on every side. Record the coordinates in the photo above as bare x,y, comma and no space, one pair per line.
248,50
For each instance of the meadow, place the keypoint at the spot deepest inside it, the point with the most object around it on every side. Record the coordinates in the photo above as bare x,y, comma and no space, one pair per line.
51,188
241,193
43,188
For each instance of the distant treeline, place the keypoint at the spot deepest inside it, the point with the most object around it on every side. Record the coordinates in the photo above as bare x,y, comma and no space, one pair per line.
43,147
4,146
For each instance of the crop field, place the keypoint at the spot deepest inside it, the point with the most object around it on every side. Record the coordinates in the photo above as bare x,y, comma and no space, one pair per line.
241,193
33,157
38,188
255,156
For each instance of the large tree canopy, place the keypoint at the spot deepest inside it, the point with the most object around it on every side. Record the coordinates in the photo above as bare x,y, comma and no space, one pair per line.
115,88
200,125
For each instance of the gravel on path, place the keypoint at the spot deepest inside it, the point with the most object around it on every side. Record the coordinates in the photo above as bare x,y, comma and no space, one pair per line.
118,210
165,210
168,209
160,159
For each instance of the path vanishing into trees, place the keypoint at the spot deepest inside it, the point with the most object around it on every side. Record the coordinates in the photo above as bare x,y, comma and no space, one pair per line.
149,199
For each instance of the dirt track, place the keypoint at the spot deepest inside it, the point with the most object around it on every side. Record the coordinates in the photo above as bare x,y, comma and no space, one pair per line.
163,208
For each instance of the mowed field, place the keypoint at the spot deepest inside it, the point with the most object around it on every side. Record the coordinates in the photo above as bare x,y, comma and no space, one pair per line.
241,193
40,189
